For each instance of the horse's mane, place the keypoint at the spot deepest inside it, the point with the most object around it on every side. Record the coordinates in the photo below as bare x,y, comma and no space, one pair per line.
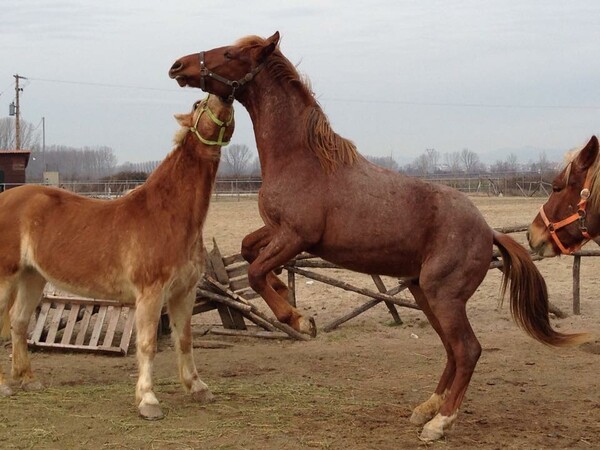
594,199
330,148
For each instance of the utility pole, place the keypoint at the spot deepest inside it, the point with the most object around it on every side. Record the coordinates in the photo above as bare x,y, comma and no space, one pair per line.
44,144
18,111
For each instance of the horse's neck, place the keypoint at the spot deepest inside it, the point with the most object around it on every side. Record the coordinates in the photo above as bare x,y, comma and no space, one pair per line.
278,117
180,187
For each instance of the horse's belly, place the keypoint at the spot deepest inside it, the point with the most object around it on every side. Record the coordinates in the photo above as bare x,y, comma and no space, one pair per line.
384,261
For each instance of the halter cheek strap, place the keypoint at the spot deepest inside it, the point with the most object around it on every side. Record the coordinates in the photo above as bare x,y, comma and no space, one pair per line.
234,84
220,123
577,216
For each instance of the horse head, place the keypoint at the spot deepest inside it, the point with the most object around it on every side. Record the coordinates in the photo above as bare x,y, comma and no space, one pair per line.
224,71
210,120
571,216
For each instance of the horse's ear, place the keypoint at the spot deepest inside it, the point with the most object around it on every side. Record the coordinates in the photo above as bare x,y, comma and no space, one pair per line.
269,48
587,156
185,120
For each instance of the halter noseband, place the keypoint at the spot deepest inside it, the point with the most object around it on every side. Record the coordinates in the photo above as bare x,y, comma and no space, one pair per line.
234,84
223,124
577,216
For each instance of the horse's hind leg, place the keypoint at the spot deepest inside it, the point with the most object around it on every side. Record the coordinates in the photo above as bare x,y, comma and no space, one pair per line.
180,315
424,412
444,287
7,298
29,292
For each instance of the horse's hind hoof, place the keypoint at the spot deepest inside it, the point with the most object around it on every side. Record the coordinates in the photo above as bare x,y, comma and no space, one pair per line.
203,396
32,386
151,412
5,390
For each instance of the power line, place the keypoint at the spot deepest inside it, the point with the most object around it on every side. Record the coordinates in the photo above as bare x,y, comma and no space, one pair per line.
459,105
106,85
346,100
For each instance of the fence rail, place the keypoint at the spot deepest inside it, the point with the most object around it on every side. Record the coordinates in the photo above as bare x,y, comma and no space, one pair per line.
512,184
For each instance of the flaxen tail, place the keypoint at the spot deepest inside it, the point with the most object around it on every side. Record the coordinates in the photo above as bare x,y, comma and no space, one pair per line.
529,296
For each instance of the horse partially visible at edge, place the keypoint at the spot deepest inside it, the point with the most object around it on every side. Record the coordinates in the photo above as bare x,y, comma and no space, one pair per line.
320,195
144,248
571,215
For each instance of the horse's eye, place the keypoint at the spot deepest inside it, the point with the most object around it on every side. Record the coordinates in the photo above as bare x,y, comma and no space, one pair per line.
228,55
556,188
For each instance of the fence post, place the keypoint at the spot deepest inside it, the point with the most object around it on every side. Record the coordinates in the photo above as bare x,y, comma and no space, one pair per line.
576,271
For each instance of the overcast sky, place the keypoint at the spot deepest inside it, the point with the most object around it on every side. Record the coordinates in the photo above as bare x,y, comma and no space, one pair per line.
394,76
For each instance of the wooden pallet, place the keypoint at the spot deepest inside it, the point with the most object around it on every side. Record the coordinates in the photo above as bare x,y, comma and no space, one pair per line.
83,324
232,273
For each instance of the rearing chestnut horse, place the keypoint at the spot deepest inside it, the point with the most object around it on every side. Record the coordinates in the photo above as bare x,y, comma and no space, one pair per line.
319,195
571,216
144,248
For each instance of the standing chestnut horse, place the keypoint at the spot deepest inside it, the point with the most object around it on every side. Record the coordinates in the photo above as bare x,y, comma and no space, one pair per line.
571,216
144,248
319,195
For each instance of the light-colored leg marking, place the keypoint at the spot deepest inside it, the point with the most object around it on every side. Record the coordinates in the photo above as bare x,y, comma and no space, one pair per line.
146,317
428,409
29,292
435,428
7,293
180,314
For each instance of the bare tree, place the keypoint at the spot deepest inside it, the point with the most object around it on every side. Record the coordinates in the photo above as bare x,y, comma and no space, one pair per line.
384,161
235,160
73,163
512,162
433,157
470,160
452,162
421,164
30,137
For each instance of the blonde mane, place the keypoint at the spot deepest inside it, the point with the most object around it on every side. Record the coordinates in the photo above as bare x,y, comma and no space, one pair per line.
330,148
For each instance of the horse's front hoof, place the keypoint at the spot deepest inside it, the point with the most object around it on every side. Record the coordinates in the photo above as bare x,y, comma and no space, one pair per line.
32,386
203,396
5,390
306,326
151,412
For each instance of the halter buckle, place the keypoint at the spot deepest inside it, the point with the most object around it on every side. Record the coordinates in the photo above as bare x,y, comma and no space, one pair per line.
585,193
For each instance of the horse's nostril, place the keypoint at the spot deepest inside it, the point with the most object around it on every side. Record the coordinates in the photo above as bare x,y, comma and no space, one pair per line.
176,67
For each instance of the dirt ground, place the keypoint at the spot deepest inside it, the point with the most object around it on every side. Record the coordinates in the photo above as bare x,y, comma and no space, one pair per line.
353,388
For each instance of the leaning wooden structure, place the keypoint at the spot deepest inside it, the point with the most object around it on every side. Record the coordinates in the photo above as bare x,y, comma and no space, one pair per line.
106,326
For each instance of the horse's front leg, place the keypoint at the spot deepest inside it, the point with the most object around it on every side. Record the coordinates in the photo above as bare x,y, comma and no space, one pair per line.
277,249
251,247
180,315
147,315
29,293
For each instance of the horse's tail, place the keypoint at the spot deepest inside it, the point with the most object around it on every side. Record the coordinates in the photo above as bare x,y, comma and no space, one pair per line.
529,296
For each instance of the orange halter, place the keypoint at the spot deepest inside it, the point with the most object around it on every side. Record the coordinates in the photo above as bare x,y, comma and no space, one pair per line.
578,216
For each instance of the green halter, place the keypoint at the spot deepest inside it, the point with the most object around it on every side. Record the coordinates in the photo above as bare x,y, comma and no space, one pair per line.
223,124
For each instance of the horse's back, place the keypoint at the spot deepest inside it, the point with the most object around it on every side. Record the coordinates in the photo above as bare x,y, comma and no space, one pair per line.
389,223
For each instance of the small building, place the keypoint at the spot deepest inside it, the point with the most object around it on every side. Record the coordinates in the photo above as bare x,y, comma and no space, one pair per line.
12,168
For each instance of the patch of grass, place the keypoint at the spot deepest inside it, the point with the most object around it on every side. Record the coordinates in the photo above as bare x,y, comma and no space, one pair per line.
105,416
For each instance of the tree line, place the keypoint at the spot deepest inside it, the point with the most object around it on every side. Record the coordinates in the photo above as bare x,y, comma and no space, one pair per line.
237,161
